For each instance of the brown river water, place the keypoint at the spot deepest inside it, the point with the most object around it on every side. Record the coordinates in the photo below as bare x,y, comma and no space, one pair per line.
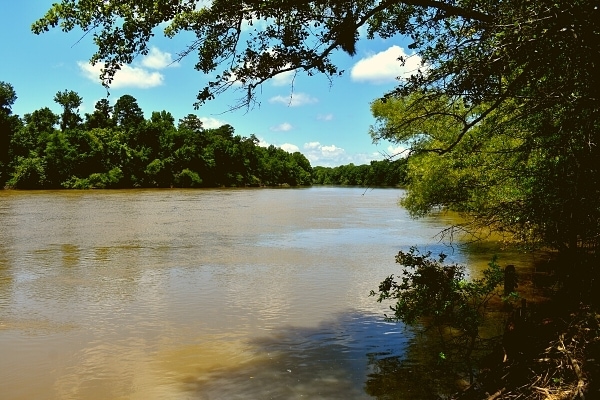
204,294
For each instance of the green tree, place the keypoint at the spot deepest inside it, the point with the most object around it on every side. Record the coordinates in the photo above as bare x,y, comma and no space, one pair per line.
302,169
9,124
118,148
160,123
29,173
191,122
90,151
70,102
190,148
127,114
59,159
157,135
430,290
531,177
377,173
278,167
188,178
129,119
8,96
32,137
101,117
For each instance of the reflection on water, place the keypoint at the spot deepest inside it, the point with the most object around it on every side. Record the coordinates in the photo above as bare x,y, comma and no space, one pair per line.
152,294
325,361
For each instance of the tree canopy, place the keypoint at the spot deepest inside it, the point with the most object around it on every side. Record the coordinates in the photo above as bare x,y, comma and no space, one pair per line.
376,173
117,147
478,49
8,124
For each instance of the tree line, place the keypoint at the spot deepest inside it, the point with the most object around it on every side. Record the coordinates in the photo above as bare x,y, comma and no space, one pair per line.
116,147
377,173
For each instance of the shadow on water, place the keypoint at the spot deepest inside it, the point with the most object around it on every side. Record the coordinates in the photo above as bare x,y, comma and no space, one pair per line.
355,356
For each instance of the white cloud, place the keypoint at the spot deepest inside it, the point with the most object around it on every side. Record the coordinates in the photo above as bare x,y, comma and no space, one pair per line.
385,67
212,123
312,145
285,78
157,59
262,142
333,156
284,127
290,148
294,100
125,77
134,76
332,151
399,151
366,158
330,155
325,117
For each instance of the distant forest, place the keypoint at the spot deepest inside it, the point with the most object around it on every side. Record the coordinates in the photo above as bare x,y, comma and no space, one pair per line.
378,173
116,147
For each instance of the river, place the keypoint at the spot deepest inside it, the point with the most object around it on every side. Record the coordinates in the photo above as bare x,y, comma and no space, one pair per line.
203,294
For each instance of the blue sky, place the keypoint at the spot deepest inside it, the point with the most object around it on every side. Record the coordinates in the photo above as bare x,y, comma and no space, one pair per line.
326,121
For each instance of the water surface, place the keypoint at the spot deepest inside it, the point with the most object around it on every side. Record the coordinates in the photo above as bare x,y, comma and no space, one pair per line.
201,294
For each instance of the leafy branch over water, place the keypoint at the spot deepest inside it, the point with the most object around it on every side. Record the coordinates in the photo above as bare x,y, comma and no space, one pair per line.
441,297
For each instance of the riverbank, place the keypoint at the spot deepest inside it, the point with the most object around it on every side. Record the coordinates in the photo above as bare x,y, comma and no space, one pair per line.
552,352
559,359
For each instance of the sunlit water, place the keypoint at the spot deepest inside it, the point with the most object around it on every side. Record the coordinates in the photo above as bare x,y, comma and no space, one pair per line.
201,294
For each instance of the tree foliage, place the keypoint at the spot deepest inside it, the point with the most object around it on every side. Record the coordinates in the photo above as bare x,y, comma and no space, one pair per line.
117,147
8,96
441,296
249,42
479,50
376,173
9,124
70,102
428,288
532,176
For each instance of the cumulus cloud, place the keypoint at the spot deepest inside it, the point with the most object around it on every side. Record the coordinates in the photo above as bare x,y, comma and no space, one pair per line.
312,145
332,155
127,76
212,123
290,148
332,151
157,59
319,154
294,100
284,127
399,151
384,67
262,142
285,78
139,76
